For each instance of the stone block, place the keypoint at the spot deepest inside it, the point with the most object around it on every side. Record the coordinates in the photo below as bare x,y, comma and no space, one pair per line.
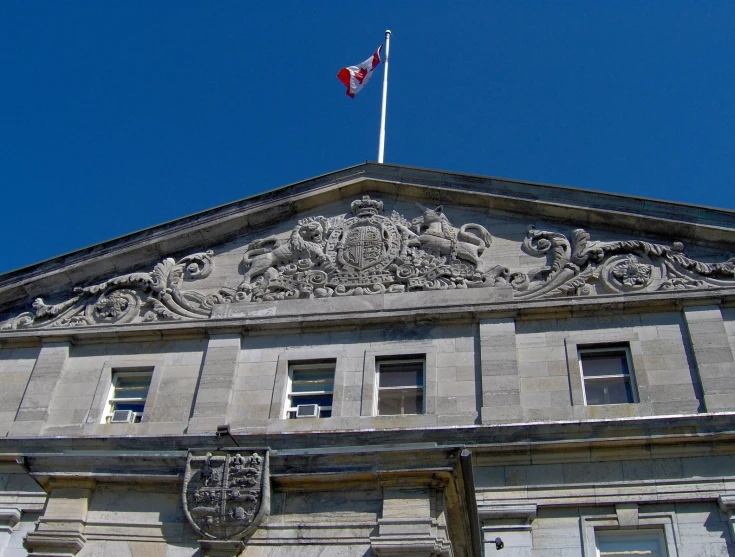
536,384
498,383
540,399
533,369
501,414
254,383
457,388
490,368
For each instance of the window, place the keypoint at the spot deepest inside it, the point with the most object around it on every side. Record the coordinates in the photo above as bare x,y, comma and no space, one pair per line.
128,393
401,385
618,543
607,375
310,389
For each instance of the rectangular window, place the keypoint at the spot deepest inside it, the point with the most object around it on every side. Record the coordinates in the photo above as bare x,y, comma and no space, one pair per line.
401,385
607,375
127,396
619,543
310,389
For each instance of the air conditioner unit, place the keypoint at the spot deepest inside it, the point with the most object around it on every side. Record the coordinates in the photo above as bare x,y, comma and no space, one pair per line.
307,411
122,416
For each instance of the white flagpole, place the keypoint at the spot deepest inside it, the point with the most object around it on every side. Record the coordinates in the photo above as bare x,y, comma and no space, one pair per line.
381,146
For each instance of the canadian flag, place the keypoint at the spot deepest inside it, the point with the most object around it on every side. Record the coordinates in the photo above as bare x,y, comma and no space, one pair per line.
356,77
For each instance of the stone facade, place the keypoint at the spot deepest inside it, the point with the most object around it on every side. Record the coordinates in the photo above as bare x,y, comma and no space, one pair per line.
572,388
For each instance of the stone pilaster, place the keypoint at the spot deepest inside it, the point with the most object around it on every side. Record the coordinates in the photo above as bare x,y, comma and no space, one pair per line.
33,409
713,356
216,383
727,505
60,530
501,399
8,519
407,528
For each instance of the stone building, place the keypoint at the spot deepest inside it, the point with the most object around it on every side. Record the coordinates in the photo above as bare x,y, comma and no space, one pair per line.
381,361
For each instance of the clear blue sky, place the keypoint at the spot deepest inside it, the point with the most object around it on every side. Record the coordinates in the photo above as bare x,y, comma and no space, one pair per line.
118,116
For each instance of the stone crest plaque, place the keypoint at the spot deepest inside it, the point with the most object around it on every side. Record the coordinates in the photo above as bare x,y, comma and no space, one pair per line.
226,494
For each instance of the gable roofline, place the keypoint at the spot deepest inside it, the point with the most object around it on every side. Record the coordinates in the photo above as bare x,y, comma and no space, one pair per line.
516,196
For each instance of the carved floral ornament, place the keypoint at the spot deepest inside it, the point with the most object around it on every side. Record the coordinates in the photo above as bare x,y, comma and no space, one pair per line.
365,253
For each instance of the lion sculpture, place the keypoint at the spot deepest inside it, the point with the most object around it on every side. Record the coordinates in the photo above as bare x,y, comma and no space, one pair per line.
262,255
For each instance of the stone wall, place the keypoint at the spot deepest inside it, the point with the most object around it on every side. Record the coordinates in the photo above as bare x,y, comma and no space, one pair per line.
500,370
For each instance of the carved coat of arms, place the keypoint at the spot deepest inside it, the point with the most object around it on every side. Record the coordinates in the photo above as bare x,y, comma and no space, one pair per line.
368,252
226,494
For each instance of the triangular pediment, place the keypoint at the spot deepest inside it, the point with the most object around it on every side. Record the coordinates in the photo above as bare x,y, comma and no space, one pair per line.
380,230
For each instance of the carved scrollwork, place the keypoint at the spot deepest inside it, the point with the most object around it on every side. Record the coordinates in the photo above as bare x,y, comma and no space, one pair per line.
582,267
367,253
130,298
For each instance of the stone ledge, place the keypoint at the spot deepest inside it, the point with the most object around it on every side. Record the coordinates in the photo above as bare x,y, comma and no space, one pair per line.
379,309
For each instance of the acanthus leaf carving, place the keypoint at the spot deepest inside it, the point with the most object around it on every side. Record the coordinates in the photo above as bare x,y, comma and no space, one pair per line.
128,298
367,253
582,266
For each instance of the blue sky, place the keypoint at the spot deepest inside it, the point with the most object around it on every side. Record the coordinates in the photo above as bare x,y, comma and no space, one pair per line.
119,116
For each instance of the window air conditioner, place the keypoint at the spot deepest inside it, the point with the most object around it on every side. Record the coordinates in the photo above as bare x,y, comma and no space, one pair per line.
307,411
122,416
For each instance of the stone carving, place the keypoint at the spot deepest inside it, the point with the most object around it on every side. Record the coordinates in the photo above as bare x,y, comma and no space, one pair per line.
366,252
583,267
225,495
158,294
369,253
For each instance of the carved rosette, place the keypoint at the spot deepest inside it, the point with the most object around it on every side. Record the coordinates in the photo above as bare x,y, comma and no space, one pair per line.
226,494
579,266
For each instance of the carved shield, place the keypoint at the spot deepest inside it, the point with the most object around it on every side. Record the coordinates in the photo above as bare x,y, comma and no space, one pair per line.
368,243
363,246
226,494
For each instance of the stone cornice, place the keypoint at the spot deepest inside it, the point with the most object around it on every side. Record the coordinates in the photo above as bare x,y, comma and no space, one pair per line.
422,307
642,217
666,432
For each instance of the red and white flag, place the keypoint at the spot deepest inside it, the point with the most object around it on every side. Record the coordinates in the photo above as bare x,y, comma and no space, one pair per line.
356,77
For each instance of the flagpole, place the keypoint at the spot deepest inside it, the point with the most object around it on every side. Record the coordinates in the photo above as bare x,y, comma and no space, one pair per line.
381,145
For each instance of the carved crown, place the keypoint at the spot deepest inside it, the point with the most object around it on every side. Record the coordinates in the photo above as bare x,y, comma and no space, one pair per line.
366,207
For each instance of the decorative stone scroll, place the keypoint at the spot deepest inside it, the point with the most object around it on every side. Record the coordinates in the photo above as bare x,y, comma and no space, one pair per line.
583,267
368,253
130,298
226,494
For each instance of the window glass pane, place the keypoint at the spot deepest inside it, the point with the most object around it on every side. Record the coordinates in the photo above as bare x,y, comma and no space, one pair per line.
135,407
132,386
401,374
604,363
633,544
304,380
413,402
608,391
396,402
321,400
416,366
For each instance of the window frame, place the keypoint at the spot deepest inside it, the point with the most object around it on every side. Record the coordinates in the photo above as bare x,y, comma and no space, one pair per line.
629,377
291,409
394,359
662,521
631,534
115,375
